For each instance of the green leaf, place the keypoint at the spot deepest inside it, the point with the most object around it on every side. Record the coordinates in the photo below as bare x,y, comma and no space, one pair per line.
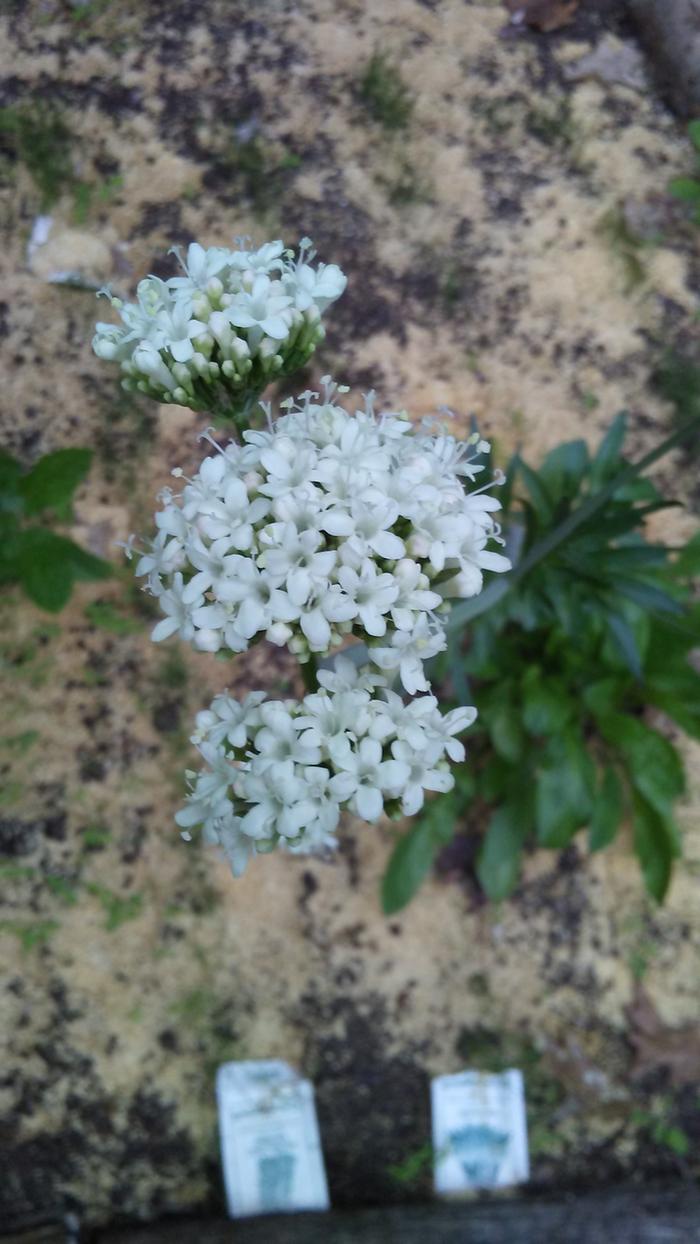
687,189
9,548
694,133
495,779
563,469
506,491
647,595
503,724
85,565
542,501
686,716
654,765
608,454
54,479
603,697
498,862
564,791
44,569
556,821
546,705
48,564
618,520
459,683
10,475
607,812
687,563
656,846
625,640
410,863
413,855
631,556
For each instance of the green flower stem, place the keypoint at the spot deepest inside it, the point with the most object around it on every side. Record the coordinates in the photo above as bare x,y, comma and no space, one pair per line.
309,672
240,415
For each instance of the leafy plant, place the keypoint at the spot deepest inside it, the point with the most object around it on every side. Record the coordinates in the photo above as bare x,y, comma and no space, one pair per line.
385,94
565,671
44,563
687,189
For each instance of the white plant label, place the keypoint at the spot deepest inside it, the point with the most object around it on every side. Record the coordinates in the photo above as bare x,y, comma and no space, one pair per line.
270,1143
479,1131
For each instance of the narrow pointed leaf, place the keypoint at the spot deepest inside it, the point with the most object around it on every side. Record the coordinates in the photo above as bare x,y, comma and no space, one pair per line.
498,863
607,812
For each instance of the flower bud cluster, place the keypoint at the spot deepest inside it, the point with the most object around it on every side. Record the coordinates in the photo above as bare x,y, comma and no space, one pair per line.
324,525
280,772
221,332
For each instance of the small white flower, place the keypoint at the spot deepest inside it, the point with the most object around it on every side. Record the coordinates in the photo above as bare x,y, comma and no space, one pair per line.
373,593
422,776
279,802
323,607
178,611
262,310
407,652
238,846
233,515
298,559
201,265
317,287
414,594
373,778
280,738
229,721
345,675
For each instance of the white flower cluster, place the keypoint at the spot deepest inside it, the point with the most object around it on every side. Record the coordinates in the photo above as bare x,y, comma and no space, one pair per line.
326,524
279,772
235,320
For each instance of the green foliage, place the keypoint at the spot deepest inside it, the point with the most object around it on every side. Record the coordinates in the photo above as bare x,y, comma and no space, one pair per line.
385,94
118,909
413,1166
39,138
88,195
260,171
44,563
657,1122
687,189
677,379
62,889
563,669
414,854
95,837
32,934
21,743
106,616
